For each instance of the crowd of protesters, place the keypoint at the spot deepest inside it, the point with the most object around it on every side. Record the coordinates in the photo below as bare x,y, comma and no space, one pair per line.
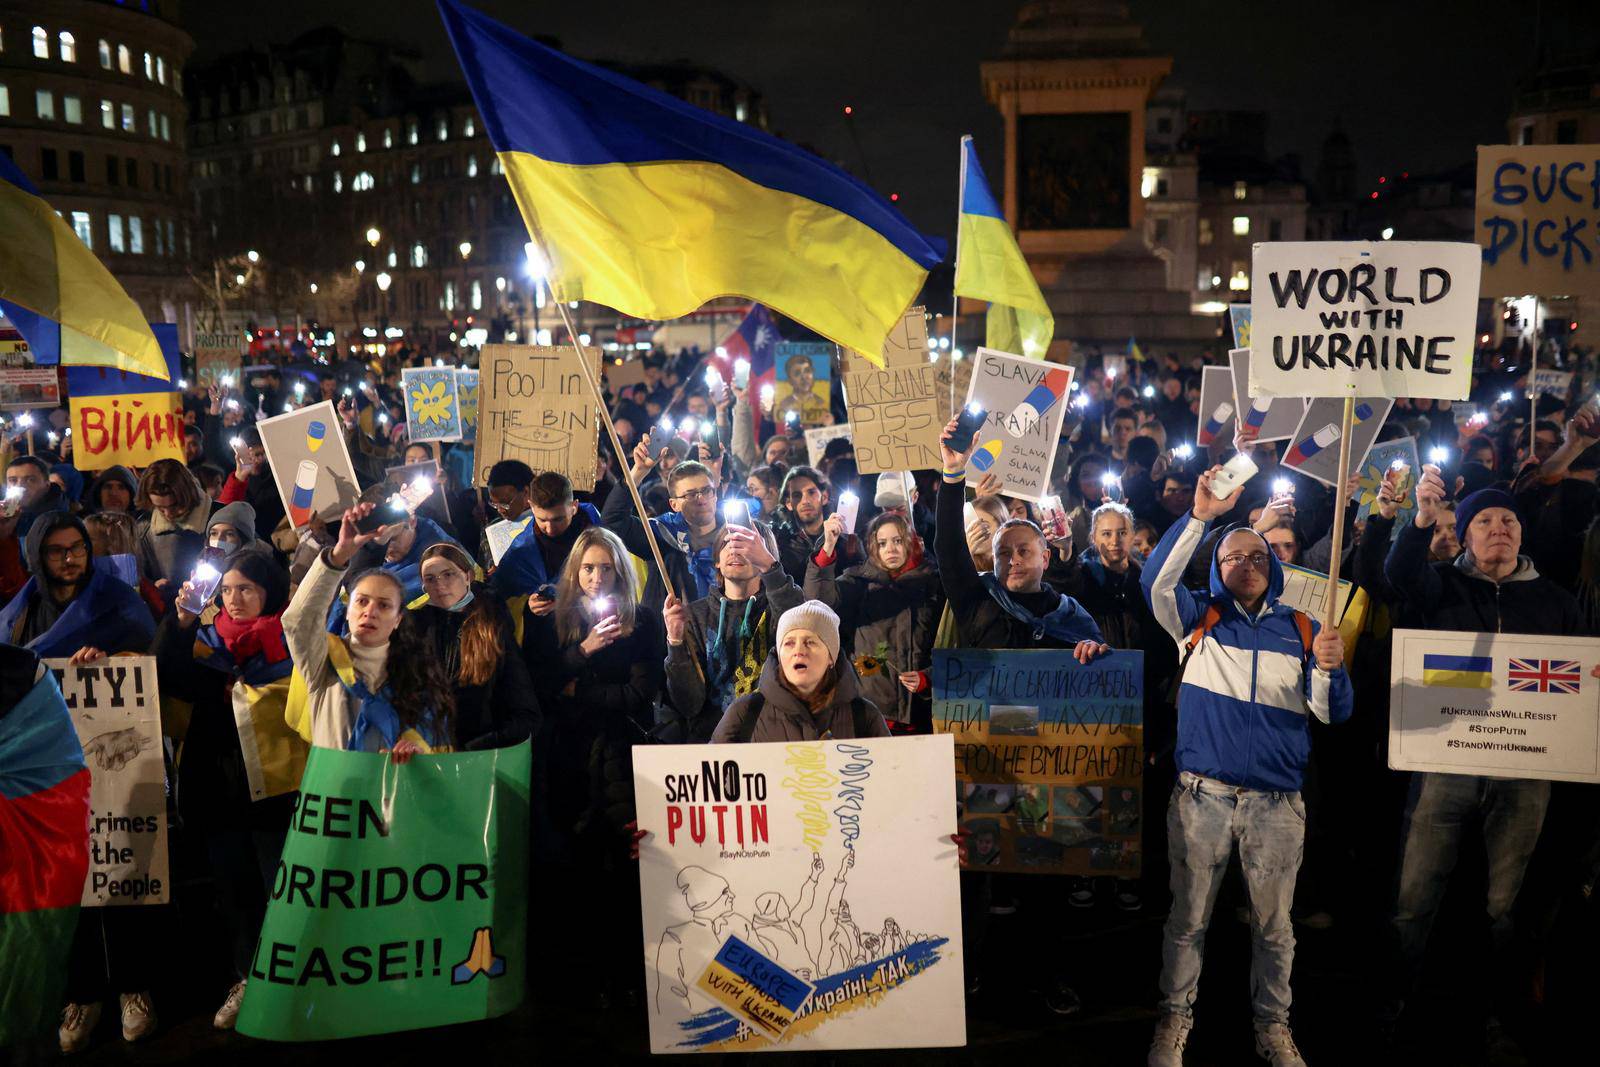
779,618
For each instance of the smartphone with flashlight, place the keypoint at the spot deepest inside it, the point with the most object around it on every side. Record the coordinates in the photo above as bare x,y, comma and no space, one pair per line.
1234,473
1052,518
736,512
203,581
13,501
848,508
741,373
708,434
387,512
1111,485
970,421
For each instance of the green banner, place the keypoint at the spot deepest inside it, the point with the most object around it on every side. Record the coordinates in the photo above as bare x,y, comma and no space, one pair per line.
401,898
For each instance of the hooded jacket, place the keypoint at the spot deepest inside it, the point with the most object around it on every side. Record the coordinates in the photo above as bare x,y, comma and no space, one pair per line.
1250,686
1457,596
168,549
779,715
91,495
106,614
532,559
242,517
887,624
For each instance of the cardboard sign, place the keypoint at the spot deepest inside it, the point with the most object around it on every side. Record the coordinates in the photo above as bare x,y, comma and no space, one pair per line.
1376,466
1314,445
1218,417
501,534
786,866
1026,399
29,387
1276,415
216,356
897,411
1537,217
432,410
1307,590
467,402
307,455
1366,318
1239,318
817,438
804,371
534,405
116,709
1049,757
1500,705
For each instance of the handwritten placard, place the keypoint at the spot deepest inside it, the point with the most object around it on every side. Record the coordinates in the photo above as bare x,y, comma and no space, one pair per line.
897,411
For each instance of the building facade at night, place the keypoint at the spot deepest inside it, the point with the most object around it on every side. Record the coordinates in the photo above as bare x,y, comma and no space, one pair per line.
92,112
374,204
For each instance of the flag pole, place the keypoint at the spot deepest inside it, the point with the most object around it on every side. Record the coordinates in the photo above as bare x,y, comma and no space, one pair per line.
616,444
1331,603
1533,385
955,299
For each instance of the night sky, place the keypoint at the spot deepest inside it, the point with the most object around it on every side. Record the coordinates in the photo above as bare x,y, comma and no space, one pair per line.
1416,83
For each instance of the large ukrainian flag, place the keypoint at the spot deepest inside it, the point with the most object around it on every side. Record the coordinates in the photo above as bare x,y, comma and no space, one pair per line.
989,266
59,296
650,206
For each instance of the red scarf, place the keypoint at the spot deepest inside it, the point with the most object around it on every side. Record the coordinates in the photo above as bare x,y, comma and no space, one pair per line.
244,640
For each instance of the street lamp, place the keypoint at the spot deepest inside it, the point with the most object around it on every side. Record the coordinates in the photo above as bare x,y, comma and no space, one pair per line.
253,256
383,281
373,236
465,248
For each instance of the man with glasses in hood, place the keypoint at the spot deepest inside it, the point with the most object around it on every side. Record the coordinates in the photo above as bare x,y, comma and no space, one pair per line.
69,605
1254,672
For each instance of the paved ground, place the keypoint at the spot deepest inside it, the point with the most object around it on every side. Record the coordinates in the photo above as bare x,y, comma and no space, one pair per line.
1112,959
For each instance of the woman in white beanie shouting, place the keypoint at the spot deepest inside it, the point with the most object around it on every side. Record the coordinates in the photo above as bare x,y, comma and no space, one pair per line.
806,691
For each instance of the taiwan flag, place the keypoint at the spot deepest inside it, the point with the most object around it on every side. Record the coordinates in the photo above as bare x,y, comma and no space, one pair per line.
44,854
756,340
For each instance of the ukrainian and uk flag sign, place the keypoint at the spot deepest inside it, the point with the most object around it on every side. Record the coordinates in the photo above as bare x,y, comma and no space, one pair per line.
1522,675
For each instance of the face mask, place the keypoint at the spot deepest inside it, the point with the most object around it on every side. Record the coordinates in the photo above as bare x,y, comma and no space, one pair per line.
463,603
224,545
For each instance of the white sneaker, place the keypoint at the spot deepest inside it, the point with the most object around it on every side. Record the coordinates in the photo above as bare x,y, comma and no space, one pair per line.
1166,1048
138,1017
77,1026
1275,1044
228,1014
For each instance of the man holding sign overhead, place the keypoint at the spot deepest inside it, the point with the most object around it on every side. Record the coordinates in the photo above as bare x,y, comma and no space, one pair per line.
1254,671
1491,588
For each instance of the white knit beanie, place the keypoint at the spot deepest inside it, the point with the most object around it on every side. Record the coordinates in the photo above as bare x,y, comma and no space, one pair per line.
815,617
891,491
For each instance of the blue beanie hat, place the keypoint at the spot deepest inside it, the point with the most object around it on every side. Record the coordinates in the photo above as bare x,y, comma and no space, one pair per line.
1473,503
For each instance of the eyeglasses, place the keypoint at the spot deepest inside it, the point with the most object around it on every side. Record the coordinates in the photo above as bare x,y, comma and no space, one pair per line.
703,493
56,553
1257,560
450,576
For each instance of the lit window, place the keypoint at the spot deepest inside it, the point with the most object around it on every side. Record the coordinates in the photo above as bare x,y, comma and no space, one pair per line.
739,111
1240,280
362,182
472,166
333,149
1205,231
161,70
469,128
105,54
393,261
67,47
155,229
419,255
494,166
149,67
5,101
1204,281
166,128
172,238
444,129
72,109
1241,225
108,115
449,297
411,132
416,173
44,103
361,142
1240,190
338,182
388,139
477,295
114,230
135,235
84,228
41,43
124,59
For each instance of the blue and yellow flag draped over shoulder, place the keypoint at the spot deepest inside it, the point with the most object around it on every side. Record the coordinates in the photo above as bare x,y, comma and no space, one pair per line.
989,266
653,207
59,296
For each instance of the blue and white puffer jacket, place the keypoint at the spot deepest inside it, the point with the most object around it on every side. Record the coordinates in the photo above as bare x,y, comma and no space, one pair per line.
1250,686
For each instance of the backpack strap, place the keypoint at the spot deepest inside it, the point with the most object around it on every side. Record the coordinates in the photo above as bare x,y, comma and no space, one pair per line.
1212,616
1302,622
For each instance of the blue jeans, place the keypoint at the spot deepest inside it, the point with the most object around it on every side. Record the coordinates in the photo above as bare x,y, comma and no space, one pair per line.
1204,819
1440,810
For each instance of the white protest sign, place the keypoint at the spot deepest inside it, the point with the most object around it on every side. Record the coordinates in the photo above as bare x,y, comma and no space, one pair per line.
1307,590
1500,705
1367,318
1556,383
116,709
1217,417
1276,416
817,438
778,872
1314,448
1026,400
501,534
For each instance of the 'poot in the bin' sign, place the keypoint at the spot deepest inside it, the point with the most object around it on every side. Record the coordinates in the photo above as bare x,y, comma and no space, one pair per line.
1355,318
